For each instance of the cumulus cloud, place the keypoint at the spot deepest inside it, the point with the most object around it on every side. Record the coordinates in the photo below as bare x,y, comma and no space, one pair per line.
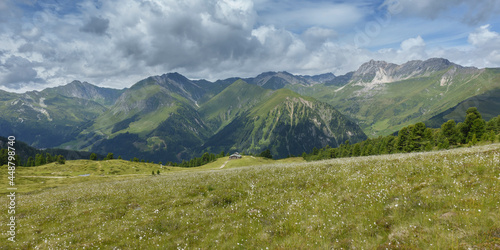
96,25
471,12
483,37
412,43
17,71
115,44
316,36
299,16
486,46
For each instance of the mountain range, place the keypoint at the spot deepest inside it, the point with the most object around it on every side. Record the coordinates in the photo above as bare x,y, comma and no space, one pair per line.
173,118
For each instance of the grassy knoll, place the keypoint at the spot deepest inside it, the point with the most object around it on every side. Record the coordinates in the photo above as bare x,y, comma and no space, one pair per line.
435,200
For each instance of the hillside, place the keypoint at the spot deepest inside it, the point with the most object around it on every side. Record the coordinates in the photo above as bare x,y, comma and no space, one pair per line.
284,122
172,118
44,119
433,200
487,104
234,100
24,151
155,119
87,91
160,119
384,97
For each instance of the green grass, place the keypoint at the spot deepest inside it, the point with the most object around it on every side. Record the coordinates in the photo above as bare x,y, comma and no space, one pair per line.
238,97
435,200
392,106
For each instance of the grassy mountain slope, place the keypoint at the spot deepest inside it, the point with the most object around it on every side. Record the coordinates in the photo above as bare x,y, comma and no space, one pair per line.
155,119
231,102
381,107
435,200
44,119
488,104
287,124
159,119
24,151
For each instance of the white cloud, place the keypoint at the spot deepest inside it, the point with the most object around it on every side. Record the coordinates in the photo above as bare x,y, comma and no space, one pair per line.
300,15
483,37
412,43
117,43
470,12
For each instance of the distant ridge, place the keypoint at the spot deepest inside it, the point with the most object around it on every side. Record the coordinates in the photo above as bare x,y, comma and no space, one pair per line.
171,117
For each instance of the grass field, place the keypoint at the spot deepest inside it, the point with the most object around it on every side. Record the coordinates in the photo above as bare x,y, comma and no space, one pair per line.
434,200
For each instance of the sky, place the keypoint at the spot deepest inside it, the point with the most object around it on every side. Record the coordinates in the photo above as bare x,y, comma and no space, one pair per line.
115,43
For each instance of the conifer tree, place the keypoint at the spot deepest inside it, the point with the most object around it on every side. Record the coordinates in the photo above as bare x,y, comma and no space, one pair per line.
49,158
492,136
449,130
39,160
473,141
61,159
30,162
473,124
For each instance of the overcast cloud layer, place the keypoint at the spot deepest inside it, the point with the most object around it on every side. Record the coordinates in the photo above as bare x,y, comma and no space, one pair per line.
116,43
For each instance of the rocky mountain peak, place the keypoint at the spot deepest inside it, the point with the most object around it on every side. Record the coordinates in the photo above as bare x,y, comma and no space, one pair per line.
376,72
372,67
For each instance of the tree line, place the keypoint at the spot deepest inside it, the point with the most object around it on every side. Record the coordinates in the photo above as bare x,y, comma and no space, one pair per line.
418,138
38,160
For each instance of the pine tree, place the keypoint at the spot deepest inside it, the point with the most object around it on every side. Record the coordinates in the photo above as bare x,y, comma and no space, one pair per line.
402,141
93,157
109,156
444,145
356,150
30,162
39,160
158,172
473,141
473,124
61,159
418,136
267,153
49,158
492,136
449,130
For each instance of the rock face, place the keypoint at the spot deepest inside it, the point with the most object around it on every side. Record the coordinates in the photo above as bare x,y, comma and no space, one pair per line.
377,72
384,97
87,91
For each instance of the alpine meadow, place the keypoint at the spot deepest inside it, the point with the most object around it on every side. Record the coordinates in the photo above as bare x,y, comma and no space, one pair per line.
249,124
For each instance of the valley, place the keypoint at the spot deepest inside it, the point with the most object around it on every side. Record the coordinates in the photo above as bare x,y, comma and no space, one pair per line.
172,118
